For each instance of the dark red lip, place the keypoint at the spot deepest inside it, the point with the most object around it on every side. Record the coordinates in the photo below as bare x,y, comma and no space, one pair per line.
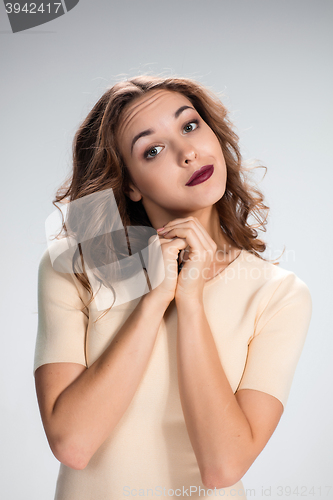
201,175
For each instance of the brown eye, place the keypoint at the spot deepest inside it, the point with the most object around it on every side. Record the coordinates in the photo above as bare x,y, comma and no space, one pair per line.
152,152
189,127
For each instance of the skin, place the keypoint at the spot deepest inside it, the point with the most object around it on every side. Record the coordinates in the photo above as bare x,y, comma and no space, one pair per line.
80,406
161,163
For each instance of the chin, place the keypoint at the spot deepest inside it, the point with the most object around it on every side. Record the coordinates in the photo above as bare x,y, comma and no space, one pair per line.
213,196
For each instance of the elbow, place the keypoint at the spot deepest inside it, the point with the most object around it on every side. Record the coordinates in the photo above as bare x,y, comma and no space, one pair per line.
221,478
70,454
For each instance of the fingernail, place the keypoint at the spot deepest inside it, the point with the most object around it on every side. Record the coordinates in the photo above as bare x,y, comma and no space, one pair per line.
160,229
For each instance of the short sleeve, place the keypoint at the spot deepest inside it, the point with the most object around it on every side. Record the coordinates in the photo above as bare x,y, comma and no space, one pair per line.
62,324
275,348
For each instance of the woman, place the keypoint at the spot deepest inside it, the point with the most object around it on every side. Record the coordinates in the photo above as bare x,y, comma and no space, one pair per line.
178,390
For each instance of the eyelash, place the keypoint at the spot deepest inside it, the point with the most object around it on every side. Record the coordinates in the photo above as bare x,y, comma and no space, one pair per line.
146,153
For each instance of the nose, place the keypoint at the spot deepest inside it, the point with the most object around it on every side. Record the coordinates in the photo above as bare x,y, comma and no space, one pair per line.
187,153
190,156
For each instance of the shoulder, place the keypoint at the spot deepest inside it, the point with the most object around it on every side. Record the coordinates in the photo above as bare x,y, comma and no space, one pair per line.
55,270
274,278
58,256
274,290
281,295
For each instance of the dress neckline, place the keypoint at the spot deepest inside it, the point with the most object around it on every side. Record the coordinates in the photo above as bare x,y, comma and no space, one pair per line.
231,264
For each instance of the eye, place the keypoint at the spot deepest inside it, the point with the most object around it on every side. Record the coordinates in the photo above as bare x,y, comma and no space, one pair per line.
152,152
189,127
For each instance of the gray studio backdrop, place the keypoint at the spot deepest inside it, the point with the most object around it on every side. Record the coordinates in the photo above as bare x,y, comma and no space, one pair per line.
272,63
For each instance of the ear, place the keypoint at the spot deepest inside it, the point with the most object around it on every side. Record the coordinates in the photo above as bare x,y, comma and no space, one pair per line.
132,192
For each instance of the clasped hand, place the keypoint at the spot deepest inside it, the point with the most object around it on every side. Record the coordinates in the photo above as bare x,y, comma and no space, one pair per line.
187,241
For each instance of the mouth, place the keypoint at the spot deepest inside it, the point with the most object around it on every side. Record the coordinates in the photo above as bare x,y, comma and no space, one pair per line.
200,175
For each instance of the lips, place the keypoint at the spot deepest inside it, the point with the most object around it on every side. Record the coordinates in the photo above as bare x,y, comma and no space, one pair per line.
201,175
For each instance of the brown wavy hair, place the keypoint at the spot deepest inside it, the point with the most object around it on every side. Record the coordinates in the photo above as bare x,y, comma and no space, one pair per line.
98,165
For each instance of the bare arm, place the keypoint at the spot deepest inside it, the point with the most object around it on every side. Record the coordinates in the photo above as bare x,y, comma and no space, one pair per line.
227,431
80,406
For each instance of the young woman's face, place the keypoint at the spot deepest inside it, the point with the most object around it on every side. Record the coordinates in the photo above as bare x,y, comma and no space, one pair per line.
164,142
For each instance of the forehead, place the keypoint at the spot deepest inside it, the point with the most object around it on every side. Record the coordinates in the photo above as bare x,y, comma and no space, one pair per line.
155,106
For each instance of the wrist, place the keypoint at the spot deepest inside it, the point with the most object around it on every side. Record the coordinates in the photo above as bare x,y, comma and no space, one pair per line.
189,302
155,302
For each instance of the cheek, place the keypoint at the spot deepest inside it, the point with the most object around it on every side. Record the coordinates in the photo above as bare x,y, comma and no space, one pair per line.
148,180
219,151
211,141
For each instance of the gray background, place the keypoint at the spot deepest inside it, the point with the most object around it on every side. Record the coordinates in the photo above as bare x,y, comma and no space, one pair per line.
271,60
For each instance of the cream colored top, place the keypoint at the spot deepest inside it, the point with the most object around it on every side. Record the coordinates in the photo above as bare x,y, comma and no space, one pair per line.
259,315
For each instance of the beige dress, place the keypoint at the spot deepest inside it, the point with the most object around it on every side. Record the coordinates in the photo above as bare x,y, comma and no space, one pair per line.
259,316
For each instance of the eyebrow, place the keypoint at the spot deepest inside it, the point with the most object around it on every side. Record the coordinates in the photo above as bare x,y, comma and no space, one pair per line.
150,131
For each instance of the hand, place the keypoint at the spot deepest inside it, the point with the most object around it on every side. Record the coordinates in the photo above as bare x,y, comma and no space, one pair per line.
200,252
165,270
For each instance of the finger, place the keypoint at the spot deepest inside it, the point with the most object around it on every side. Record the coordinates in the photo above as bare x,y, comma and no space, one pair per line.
166,241
192,238
184,254
191,223
196,241
190,219
180,229
174,245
